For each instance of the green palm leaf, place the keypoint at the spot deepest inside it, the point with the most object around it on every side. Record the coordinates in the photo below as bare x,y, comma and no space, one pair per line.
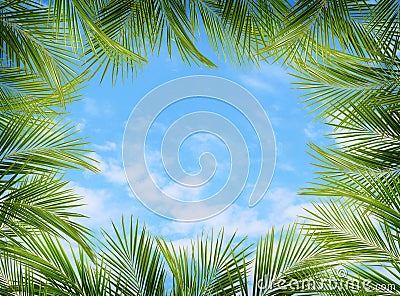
343,81
284,258
42,266
369,248
211,266
379,278
28,93
134,261
384,21
343,175
42,203
314,28
29,43
32,144
352,234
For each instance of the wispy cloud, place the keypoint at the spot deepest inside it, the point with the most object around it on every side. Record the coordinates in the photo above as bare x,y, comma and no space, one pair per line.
285,167
102,206
95,204
311,131
80,125
107,146
314,130
283,206
258,83
111,169
270,79
93,108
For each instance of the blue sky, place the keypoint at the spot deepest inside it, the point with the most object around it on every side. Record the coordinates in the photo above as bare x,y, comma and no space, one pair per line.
104,111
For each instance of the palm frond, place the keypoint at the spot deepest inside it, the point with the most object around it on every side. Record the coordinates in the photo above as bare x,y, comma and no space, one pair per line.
384,22
212,266
283,258
344,80
29,43
143,26
343,175
40,203
351,234
30,143
134,261
44,265
378,278
16,279
314,28
370,134
21,91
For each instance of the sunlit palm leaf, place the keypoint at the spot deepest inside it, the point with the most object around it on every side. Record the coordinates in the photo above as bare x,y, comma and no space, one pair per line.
29,42
379,278
369,248
28,93
312,28
18,280
384,21
352,234
144,25
344,80
370,134
236,29
134,261
32,204
52,267
209,266
32,144
285,257
377,189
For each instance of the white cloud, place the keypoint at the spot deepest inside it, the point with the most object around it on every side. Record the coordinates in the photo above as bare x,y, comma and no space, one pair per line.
90,107
183,242
311,131
240,220
95,204
180,192
107,146
94,108
114,172
80,125
283,208
258,83
270,79
275,71
102,207
286,167
111,169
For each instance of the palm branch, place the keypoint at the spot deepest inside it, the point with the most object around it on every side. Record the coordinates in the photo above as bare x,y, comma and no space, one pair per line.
209,266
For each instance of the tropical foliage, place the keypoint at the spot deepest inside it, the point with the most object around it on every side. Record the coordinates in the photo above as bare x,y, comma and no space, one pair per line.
344,55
